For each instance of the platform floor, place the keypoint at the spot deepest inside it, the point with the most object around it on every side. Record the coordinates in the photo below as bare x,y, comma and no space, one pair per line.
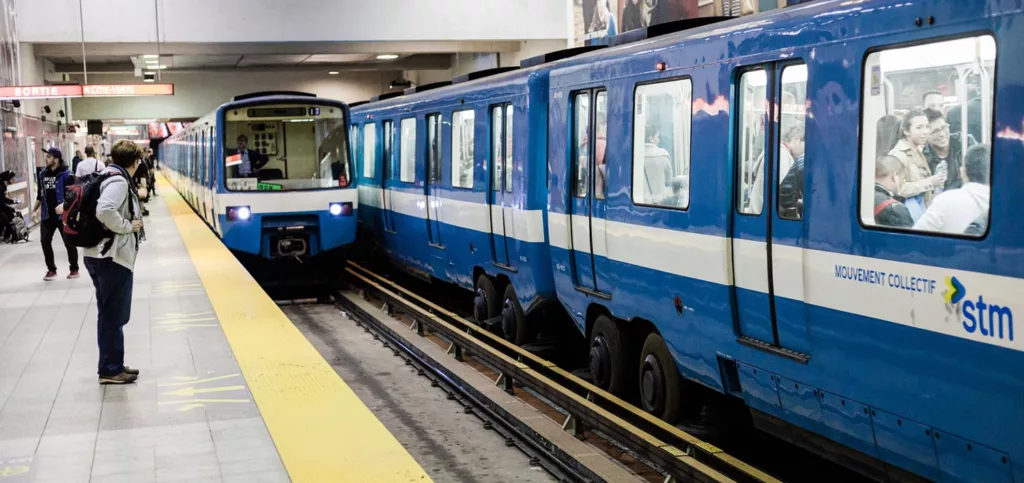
230,391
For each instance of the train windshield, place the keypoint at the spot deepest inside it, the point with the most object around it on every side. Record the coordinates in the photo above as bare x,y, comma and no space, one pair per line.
285,147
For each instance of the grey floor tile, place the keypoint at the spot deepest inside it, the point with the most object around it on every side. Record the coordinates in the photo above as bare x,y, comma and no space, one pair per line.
134,460
135,477
277,476
67,444
188,472
248,466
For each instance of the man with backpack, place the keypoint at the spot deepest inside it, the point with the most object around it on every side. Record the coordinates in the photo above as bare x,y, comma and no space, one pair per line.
90,164
52,181
103,216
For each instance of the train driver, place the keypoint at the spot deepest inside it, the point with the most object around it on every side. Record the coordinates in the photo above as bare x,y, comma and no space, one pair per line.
252,161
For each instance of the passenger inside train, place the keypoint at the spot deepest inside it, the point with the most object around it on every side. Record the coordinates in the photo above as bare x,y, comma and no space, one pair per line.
662,134
292,147
934,136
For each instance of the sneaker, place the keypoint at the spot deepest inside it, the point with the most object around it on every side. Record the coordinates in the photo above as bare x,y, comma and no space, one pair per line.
122,378
51,275
73,275
129,370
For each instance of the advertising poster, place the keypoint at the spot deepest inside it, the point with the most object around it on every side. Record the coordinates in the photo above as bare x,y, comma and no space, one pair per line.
596,19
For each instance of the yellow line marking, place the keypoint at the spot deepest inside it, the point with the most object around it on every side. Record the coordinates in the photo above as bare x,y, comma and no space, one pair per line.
195,380
191,406
322,431
191,391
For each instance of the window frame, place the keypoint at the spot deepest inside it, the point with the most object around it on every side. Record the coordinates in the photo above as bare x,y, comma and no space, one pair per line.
781,67
574,156
632,138
497,109
401,150
362,142
451,156
439,119
860,143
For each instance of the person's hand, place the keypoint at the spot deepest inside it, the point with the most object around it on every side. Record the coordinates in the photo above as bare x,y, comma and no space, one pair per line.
938,180
136,226
59,210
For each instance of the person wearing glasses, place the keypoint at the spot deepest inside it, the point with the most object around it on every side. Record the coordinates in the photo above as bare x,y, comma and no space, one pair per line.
945,149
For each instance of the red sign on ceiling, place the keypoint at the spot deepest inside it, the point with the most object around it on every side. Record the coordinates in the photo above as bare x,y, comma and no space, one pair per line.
39,92
92,90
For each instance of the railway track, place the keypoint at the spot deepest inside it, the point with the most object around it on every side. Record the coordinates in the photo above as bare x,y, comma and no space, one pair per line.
587,409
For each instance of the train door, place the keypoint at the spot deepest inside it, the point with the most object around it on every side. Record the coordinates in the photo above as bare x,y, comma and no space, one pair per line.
433,180
587,207
387,158
767,147
500,194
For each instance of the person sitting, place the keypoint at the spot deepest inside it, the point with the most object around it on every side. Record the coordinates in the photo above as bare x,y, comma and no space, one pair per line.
945,147
953,211
251,161
889,208
657,166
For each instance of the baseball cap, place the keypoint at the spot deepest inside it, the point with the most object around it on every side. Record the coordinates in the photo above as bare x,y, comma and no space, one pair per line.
54,152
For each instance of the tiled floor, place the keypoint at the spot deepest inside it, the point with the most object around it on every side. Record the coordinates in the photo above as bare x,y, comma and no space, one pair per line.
189,418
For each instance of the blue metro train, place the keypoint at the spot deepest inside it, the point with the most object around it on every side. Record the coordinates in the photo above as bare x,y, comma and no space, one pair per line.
269,173
658,191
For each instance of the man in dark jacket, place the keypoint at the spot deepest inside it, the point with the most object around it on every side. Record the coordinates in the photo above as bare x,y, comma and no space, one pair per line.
7,213
889,208
943,146
52,181
791,191
247,162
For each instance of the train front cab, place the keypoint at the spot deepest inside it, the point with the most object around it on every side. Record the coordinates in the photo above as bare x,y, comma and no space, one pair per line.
863,341
451,190
302,206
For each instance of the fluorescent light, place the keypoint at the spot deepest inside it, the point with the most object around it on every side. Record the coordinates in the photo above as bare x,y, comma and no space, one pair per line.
150,56
387,57
152,61
333,72
148,80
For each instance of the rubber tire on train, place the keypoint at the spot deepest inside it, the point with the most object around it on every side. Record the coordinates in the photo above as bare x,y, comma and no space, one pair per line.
491,304
606,333
668,405
512,308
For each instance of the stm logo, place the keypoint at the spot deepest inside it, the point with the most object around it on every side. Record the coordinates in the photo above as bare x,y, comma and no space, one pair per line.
989,319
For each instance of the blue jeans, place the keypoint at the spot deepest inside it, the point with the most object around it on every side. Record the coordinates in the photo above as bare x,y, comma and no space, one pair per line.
114,300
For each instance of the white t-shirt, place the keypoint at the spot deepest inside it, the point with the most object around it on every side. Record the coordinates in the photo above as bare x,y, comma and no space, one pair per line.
89,165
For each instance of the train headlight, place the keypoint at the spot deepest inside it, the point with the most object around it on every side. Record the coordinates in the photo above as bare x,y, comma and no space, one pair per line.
240,213
341,209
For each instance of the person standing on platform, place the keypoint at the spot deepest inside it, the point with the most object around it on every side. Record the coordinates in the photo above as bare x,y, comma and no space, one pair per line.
75,160
90,164
52,181
111,264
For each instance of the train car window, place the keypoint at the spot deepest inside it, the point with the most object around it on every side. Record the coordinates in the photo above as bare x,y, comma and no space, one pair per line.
600,143
497,146
508,148
581,131
434,147
387,153
661,144
750,130
407,158
462,148
353,134
925,144
369,150
791,142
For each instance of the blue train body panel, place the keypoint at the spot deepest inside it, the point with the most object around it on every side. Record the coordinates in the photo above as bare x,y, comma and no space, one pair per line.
898,344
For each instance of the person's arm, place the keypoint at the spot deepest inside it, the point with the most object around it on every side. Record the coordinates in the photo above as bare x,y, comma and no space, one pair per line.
791,190
108,207
259,160
932,219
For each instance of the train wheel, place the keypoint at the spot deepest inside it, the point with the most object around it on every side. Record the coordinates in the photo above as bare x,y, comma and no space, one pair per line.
486,304
607,361
513,321
659,380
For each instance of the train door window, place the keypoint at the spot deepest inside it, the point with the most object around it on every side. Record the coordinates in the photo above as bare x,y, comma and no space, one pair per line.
791,142
497,146
407,156
462,148
581,131
434,147
388,148
927,125
508,148
369,149
600,143
751,129
661,144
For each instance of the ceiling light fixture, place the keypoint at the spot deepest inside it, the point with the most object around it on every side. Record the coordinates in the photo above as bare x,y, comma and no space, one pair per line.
387,56
150,56
152,61
333,72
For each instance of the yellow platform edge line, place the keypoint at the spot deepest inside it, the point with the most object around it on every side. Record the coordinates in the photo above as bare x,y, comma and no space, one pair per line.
322,431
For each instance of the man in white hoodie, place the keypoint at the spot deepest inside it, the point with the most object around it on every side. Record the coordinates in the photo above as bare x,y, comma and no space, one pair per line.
954,210
111,264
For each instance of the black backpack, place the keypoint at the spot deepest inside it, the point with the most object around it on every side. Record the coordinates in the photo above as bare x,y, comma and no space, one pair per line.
81,227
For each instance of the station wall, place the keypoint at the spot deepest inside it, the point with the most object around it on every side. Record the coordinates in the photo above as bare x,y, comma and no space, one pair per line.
196,94
249,21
